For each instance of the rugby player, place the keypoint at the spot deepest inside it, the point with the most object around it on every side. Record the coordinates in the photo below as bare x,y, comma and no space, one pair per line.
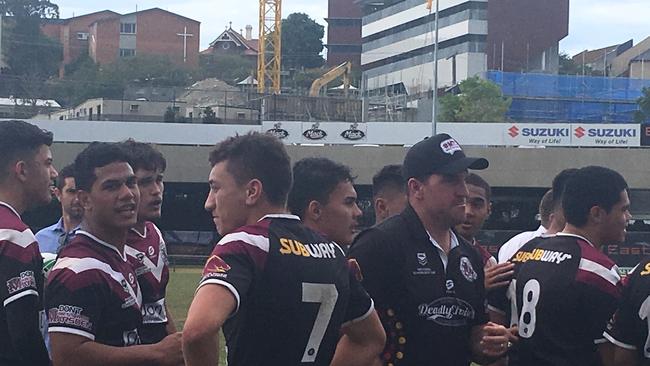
284,294
565,289
92,296
26,173
324,198
388,192
145,247
628,329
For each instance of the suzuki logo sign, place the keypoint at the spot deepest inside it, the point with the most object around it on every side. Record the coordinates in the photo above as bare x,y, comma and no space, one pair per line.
579,132
513,131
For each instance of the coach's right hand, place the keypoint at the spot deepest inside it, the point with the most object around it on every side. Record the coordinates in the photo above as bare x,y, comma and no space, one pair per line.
170,350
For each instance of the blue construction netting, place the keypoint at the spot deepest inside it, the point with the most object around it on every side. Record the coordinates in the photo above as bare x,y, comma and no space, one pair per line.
567,98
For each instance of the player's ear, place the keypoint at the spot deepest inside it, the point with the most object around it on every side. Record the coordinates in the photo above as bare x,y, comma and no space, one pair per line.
596,214
254,190
314,210
380,206
19,169
84,200
414,187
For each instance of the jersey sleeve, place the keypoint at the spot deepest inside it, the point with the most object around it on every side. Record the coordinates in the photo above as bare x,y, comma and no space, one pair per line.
374,255
73,301
234,262
360,305
628,328
20,264
497,300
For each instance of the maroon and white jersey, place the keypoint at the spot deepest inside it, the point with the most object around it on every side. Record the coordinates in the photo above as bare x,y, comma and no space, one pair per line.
147,254
92,292
630,325
294,290
21,267
564,292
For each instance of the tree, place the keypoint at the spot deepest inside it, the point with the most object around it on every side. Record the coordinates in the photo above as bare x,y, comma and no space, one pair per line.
209,116
479,101
643,113
31,57
301,42
228,68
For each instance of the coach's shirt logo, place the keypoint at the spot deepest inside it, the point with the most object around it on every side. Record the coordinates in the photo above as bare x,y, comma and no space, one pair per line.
541,255
467,270
320,250
448,311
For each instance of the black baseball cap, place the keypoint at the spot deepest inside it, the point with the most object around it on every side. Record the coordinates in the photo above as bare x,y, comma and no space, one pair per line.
440,154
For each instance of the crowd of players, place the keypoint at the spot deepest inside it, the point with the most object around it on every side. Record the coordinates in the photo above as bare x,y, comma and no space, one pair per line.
292,282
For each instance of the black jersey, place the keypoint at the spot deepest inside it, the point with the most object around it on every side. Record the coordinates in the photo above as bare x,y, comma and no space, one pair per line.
21,267
294,290
563,293
92,292
147,254
629,326
426,307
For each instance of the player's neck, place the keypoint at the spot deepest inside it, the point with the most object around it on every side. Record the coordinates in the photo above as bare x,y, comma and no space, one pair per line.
13,200
263,209
69,223
585,233
140,227
113,236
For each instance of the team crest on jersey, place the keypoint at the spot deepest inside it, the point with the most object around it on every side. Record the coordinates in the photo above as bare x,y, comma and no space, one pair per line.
422,259
151,251
467,270
216,265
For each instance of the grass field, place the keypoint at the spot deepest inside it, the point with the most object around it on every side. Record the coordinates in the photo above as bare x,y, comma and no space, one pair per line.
180,292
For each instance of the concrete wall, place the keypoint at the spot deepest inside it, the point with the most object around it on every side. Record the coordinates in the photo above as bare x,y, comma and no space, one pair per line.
509,166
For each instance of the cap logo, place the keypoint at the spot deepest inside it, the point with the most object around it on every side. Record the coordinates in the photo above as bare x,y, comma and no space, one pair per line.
450,146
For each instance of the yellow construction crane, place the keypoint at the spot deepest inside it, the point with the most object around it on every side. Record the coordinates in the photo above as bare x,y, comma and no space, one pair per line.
344,69
269,53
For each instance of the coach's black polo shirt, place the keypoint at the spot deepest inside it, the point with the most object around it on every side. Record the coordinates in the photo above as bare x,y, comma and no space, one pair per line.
427,310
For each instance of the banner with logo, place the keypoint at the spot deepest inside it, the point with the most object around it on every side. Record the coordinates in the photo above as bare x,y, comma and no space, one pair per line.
645,134
609,135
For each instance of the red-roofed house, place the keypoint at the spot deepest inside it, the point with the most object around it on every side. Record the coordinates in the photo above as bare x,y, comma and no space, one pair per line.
231,42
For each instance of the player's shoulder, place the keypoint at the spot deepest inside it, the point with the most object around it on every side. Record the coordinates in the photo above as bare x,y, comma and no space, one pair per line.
253,235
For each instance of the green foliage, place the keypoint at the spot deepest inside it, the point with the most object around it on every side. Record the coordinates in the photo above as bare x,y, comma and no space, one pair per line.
644,106
209,116
228,68
31,57
88,80
301,42
479,101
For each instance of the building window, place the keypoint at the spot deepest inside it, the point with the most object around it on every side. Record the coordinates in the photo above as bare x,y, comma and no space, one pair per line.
241,115
176,109
127,52
127,28
82,36
134,107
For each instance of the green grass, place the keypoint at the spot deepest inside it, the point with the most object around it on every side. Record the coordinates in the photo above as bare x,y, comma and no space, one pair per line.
180,292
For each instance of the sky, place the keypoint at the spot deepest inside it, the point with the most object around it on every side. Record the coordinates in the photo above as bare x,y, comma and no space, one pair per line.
593,23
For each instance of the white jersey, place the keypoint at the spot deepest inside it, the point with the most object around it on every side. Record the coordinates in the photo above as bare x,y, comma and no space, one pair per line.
515,243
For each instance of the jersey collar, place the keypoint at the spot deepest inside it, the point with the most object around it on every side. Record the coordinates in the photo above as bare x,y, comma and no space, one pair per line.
576,236
10,208
142,235
280,216
101,242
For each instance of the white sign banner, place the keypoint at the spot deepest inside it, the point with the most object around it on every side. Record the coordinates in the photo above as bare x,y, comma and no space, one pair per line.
605,135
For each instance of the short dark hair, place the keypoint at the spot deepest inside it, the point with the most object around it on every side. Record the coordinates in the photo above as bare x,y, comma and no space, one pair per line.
588,187
389,177
546,208
257,156
314,180
20,140
559,184
96,155
144,156
66,172
476,180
